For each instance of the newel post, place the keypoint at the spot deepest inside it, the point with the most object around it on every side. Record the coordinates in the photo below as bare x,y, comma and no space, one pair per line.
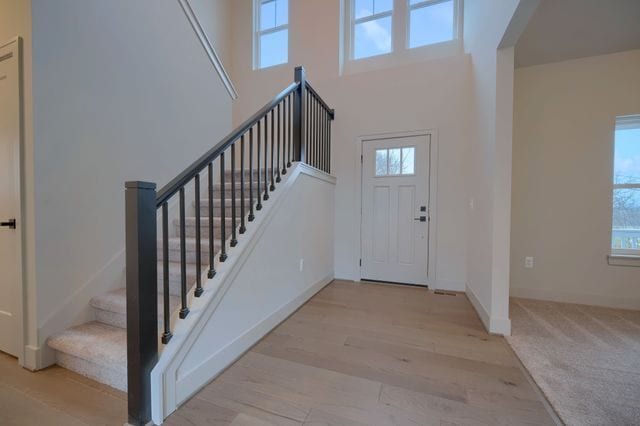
298,115
142,296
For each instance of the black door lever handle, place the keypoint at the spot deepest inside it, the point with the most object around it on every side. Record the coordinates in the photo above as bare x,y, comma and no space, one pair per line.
11,223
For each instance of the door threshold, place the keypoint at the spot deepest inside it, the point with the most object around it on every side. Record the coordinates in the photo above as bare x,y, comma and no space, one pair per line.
425,286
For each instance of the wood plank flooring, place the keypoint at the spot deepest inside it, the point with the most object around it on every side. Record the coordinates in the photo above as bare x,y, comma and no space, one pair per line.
56,396
355,354
372,354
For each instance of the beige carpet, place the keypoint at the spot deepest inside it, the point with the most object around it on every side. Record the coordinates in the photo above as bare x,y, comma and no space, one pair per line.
585,359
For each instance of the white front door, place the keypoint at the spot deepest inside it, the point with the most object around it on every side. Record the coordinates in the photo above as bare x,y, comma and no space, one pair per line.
395,209
10,259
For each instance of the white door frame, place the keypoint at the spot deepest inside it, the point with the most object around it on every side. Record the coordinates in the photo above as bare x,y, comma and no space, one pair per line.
14,47
433,185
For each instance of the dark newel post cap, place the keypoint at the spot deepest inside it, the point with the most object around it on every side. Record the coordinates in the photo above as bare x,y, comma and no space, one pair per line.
139,184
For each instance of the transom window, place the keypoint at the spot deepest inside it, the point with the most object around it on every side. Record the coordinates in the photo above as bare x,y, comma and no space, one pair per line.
625,233
395,161
378,27
372,32
431,22
271,42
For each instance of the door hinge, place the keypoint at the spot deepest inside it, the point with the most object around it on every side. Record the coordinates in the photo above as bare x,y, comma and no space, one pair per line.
361,159
360,262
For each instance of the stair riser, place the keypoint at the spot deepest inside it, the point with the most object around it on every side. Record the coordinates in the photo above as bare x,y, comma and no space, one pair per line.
174,255
109,376
204,209
190,231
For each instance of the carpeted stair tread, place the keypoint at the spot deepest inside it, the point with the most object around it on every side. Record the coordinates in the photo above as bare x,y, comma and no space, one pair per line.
116,301
98,343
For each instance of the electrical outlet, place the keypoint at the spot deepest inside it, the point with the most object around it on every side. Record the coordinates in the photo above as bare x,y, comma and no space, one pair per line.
528,262
301,265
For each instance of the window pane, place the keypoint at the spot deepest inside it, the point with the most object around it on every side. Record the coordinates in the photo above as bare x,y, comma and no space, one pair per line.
626,219
372,38
394,161
381,162
274,48
282,12
380,6
431,24
408,155
626,165
267,14
363,8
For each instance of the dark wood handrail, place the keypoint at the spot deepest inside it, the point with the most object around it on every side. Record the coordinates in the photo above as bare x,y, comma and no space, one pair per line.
170,189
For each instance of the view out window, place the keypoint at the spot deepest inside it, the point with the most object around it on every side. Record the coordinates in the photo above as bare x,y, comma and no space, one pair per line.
371,27
431,21
271,33
395,161
625,235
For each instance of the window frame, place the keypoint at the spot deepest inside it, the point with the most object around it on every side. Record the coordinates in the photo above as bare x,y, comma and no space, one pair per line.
622,123
400,54
258,33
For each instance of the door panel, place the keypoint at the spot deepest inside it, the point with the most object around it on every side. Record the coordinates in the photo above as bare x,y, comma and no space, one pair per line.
395,184
10,261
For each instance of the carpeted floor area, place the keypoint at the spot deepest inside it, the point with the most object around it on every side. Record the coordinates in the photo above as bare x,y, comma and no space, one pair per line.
586,359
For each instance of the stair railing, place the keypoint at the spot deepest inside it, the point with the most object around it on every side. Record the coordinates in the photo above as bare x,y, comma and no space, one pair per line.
294,126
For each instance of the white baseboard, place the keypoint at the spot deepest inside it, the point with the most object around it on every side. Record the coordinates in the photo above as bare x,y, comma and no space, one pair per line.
578,298
493,325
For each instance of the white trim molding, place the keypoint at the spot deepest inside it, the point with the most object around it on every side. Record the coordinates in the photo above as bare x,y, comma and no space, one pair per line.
493,325
208,48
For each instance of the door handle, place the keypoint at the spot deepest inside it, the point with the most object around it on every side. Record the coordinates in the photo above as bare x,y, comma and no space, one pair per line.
421,218
11,224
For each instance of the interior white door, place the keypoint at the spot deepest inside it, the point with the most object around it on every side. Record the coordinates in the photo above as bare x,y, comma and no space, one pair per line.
10,260
395,209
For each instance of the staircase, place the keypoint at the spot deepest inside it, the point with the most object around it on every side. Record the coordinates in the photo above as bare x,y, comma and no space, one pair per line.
167,266
98,349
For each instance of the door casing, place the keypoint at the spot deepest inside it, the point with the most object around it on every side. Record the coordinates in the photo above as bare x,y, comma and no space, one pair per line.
433,178
14,47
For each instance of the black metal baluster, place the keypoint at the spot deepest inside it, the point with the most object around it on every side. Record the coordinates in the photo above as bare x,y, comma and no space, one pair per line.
166,336
223,233
251,215
290,131
329,148
278,141
259,204
199,290
184,311
324,140
266,158
212,269
285,126
307,142
318,108
243,228
273,141
234,239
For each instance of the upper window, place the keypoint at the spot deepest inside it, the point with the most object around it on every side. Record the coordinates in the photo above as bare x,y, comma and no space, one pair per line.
431,22
271,42
371,27
378,27
625,235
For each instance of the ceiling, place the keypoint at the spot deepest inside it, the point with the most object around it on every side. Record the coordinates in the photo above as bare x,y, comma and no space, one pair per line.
569,29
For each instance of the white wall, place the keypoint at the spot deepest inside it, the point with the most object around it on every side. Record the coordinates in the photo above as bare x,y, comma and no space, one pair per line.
432,94
489,177
259,285
562,158
124,92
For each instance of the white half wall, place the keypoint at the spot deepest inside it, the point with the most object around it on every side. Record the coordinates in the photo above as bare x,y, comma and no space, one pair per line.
124,91
562,169
285,257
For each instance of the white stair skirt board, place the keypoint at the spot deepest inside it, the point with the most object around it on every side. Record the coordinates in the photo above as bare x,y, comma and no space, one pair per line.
258,286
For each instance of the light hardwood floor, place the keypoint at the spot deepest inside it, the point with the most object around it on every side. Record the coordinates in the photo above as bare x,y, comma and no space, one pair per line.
55,396
370,354
355,354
